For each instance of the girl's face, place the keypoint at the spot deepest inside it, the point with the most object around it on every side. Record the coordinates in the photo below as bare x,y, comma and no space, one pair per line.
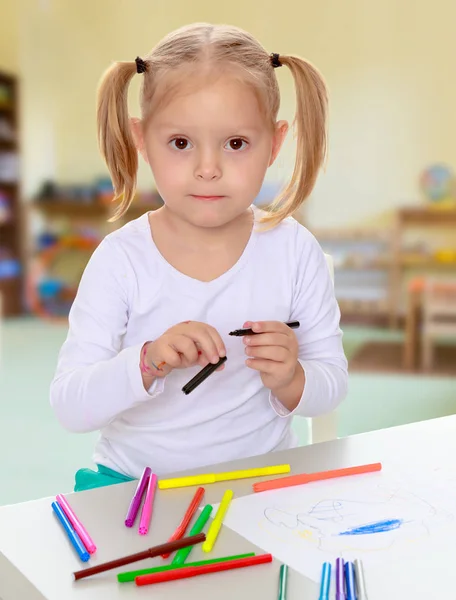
209,149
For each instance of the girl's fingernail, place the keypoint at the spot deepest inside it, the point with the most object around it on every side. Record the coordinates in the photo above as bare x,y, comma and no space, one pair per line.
247,340
199,352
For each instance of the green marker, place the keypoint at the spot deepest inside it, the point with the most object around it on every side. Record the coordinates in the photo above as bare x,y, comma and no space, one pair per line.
182,554
283,582
131,575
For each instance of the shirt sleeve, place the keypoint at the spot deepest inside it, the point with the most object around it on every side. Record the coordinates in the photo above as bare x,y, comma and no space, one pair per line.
96,379
321,353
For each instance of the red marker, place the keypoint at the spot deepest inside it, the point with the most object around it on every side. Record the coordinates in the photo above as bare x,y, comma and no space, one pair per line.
187,572
191,510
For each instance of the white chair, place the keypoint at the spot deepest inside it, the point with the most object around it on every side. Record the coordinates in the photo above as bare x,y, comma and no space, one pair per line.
324,428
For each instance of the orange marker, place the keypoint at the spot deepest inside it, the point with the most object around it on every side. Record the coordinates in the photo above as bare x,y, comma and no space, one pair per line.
275,484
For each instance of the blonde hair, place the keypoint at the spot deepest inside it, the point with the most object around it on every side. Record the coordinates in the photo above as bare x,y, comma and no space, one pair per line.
213,45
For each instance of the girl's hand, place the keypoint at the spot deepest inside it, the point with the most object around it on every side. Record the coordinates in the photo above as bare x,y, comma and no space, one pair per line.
183,345
274,353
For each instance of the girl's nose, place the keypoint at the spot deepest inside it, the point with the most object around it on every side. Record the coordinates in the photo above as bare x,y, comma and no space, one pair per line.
208,167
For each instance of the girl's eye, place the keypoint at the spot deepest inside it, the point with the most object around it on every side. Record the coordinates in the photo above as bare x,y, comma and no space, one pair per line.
236,144
180,143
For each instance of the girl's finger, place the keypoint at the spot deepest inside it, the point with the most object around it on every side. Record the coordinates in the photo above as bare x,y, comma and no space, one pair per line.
270,327
184,346
273,353
221,350
208,340
268,367
267,339
170,357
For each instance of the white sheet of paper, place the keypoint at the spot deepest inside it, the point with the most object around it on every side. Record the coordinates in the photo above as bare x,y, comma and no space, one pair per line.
390,516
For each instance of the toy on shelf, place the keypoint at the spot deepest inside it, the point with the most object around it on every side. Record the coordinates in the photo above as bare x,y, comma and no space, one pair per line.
438,184
10,267
5,209
55,274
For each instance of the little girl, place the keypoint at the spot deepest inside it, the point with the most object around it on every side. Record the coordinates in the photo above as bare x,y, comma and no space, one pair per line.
161,294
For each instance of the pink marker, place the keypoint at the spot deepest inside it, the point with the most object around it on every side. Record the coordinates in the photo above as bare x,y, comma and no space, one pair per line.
78,526
146,512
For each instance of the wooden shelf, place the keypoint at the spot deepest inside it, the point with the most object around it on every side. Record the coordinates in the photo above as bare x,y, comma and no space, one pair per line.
6,109
379,264
353,235
422,217
427,216
72,208
12,239
425,263
11,290
8,145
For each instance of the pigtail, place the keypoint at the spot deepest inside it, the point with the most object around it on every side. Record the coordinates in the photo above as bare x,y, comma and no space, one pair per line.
310,123
114,135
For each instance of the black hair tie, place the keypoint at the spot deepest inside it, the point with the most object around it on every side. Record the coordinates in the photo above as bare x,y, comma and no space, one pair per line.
275,61
141,66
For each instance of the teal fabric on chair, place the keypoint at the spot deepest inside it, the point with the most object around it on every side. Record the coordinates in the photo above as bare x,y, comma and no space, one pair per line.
87,479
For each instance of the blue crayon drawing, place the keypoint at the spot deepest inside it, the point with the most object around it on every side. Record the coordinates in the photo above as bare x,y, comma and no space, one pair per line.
376,527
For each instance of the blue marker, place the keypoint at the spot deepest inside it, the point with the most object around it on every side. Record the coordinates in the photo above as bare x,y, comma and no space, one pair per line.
325,581
349,569
71,533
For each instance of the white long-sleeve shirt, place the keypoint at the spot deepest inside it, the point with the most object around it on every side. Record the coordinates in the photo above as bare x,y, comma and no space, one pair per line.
130,294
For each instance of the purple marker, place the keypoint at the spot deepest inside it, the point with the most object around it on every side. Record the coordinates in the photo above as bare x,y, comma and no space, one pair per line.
340,589
136,500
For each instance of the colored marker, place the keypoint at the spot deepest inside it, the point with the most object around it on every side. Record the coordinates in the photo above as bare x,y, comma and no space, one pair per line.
137,497
196,571
71,532
350,580
191,510
182,554
77,525
303,478
202,375
216,524
132,575
360,580
340,589
249,331
325,582
283,582
146,512
167,484
131,558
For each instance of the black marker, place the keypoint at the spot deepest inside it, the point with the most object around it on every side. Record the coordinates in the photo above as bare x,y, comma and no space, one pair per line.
202,375
241,332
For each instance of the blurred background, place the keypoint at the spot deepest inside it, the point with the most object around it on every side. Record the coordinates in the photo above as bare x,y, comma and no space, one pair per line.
385,207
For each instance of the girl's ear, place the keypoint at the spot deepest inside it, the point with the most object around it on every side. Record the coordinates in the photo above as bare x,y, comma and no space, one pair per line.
280,133
138,136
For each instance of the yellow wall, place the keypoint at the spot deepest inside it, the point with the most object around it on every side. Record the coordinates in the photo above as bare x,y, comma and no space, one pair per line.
389,66
9,47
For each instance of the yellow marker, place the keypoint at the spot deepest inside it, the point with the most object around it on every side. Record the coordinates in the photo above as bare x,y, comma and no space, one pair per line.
217,522
167,484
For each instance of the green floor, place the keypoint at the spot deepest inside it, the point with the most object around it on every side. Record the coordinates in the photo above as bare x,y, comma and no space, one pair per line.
39,459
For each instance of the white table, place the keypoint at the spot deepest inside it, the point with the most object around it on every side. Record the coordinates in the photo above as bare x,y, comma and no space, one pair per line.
36,560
